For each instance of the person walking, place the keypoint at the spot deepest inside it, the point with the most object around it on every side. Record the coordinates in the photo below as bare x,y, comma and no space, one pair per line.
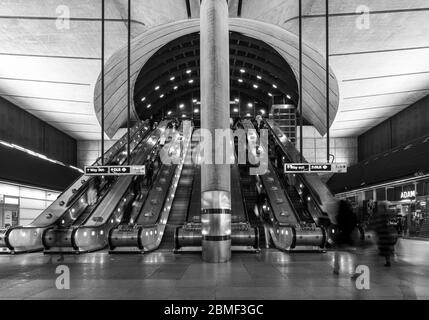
347,225
386,233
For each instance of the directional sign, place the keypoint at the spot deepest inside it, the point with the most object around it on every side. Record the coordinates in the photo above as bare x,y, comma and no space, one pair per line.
115,170
119,170
297,167
96,170
315,168
321,167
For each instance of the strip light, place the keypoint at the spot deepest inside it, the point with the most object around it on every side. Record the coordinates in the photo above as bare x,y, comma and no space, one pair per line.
38,155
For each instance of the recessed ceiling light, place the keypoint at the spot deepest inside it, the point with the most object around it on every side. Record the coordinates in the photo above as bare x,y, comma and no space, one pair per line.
235,110
250,104
143,99
161,96
182,106
183,115
240,80
262,111
259,77
191,81
188,71
237,100
172,78
156,88
148,106
242,70
270,94
255,86
288,96
195,101
176,87
196,111
248,115
274,86
169,112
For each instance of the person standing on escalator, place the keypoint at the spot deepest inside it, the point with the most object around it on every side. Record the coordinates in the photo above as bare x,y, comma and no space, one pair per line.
149,173
93,190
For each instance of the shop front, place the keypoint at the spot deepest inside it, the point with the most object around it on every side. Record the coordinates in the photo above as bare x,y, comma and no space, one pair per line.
409,201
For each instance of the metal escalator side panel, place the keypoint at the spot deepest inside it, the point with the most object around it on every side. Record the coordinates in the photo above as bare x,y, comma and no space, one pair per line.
22,239
282,209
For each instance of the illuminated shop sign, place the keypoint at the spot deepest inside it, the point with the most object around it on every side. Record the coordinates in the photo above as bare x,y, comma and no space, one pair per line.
408,194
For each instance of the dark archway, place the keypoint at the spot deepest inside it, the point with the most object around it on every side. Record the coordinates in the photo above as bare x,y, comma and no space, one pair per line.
169,82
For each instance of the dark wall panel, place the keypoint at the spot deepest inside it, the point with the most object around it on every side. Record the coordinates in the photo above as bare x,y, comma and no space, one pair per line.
407,125
22,128
19,167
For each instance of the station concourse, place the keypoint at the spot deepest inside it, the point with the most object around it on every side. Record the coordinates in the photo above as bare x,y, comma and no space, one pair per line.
214,150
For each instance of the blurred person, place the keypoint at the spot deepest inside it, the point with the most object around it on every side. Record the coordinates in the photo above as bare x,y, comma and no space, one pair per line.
347,228
93,190
149,173
386,233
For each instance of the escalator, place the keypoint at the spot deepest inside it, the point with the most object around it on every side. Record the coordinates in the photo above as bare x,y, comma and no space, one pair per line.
320,202
93,231
244,237
181,203
286,220
69,205
149,226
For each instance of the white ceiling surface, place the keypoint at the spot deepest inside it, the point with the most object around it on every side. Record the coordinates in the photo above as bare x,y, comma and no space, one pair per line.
381,70
52,73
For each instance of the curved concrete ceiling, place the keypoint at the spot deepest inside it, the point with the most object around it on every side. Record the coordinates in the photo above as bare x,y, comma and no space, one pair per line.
147,44
51,72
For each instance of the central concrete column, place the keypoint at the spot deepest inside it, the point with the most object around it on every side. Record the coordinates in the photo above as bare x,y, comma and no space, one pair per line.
215,97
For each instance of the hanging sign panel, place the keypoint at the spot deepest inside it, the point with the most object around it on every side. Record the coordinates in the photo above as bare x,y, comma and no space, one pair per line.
115,170
315,168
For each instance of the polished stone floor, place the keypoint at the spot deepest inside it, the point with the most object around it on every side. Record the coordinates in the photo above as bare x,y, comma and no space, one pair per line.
268,275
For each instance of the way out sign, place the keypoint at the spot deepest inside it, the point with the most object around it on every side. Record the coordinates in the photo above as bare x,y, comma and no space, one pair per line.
315,168
115,170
